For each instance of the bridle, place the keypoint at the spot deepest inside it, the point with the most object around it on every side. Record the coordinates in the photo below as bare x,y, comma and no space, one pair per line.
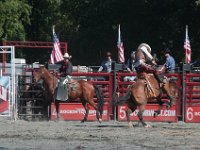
41,77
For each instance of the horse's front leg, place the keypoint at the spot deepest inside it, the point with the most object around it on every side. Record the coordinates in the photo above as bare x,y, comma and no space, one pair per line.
57,109
157,112
131,109
128,112
84,103
140,116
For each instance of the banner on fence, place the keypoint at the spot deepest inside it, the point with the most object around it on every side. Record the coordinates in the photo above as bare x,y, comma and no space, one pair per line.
166,115
4,97
76,111
192,114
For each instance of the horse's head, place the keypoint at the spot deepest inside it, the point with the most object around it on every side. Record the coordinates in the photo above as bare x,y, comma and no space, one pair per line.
39,74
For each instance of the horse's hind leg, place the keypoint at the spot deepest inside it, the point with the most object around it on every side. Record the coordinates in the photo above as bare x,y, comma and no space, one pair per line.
86,110
140,116
92,103
169,96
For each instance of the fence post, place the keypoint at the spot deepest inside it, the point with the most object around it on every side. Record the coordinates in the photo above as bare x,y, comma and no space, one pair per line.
115,90
183,94
185,68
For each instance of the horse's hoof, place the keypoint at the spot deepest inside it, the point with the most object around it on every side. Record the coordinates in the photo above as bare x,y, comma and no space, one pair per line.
100,120
155,114
58,119
147,126
168,106
82,121
130,125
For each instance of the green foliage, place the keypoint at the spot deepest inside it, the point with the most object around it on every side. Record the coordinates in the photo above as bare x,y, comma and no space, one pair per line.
198,2
14,15
90,26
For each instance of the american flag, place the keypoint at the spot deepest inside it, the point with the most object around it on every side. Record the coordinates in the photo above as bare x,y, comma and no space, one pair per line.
120,46
56,54
187,47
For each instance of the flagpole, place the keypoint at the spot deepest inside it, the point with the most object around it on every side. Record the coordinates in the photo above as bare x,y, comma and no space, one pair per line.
119,34
53,29
120,46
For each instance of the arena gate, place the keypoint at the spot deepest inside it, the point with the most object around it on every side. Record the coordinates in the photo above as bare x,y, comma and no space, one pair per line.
27,100
170,115
8,105
31,100
192,97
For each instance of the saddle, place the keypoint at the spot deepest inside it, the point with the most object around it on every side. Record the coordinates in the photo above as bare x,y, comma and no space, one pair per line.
65,87
149,88
72,85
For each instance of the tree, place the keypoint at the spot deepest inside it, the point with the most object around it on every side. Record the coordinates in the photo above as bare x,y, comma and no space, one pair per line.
14,16
90,26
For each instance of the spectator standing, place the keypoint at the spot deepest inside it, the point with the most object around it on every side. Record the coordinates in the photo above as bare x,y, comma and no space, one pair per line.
106,65
131,62
169,65
130,67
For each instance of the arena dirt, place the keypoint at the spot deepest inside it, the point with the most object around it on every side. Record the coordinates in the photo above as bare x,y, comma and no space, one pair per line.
73,135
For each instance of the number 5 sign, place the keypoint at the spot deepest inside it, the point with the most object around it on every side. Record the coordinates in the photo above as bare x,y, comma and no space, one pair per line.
122,112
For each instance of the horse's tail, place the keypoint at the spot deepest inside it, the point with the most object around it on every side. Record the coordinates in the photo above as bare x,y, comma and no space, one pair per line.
100,99
123,99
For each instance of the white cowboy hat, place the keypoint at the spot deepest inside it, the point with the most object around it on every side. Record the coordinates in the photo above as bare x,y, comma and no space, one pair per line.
66,55
146,46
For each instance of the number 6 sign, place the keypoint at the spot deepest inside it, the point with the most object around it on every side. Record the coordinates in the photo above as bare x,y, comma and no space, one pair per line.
189,114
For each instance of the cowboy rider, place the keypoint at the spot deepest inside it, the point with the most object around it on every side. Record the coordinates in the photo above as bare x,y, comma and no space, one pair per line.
144,61
66,67
65,71
146,64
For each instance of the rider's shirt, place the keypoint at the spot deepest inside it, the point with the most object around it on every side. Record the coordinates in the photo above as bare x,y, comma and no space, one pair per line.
66,69
131,64
106,66
170,64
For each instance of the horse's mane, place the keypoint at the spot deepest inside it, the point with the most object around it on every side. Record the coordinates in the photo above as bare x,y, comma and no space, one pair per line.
50,74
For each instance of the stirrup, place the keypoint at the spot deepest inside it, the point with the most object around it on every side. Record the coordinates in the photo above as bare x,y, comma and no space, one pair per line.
164,80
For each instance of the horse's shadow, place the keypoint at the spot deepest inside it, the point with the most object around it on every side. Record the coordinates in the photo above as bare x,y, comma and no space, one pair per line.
135,125
101,126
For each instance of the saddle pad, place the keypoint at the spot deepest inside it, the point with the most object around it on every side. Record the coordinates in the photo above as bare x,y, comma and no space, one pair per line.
62,91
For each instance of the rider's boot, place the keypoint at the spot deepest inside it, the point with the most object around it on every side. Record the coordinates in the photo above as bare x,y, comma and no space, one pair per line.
160,77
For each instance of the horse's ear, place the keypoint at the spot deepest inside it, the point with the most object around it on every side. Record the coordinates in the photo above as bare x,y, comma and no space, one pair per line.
46,65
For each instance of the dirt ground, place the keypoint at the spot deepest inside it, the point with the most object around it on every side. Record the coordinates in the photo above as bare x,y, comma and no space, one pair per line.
73,135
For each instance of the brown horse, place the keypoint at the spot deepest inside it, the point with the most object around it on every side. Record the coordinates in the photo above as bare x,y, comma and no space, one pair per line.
143,91
84,90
